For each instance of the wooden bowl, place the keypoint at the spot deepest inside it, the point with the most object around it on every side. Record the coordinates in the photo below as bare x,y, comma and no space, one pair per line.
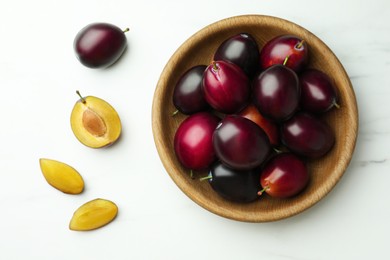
325,172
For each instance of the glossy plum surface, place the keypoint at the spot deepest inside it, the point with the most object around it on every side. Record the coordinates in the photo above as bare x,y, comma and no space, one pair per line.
307,135
99,45
240,143
193,141
277,49
269,127
242,50
188,96
276,92
235,185
285,175
226,87
318,94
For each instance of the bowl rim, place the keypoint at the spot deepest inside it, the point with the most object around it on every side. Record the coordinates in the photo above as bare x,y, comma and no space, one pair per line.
157,121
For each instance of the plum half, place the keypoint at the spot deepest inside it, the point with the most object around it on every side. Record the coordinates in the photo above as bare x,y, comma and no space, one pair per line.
94,122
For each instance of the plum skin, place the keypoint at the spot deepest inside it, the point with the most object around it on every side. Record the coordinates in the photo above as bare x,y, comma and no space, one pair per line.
234,185
279,48
269,127
285,175
188,96
99,45
242,50
240,143
193,141
307,135
226,87
276,92
318,94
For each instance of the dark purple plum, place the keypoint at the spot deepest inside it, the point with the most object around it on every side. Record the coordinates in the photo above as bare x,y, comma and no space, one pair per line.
234,185
318,93
276,92
242,50
226,87
188,96
285,175
307,135
240,143
269,127
193,141
99,45
279,48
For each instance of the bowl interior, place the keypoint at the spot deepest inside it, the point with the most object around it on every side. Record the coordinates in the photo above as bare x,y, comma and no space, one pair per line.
325,172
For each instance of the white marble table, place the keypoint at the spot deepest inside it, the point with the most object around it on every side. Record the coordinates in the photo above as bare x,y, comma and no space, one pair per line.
38,78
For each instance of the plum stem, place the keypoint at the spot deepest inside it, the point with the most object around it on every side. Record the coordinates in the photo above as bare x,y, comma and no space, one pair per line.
299,45
336,104
215,67
285,60
208,177
277,150
81,98
175,112
126,30
191,174
263,190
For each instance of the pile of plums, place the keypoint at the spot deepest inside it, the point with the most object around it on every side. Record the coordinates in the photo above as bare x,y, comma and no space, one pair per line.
254,117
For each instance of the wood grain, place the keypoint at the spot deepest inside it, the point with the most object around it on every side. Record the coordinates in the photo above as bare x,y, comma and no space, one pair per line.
325,172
